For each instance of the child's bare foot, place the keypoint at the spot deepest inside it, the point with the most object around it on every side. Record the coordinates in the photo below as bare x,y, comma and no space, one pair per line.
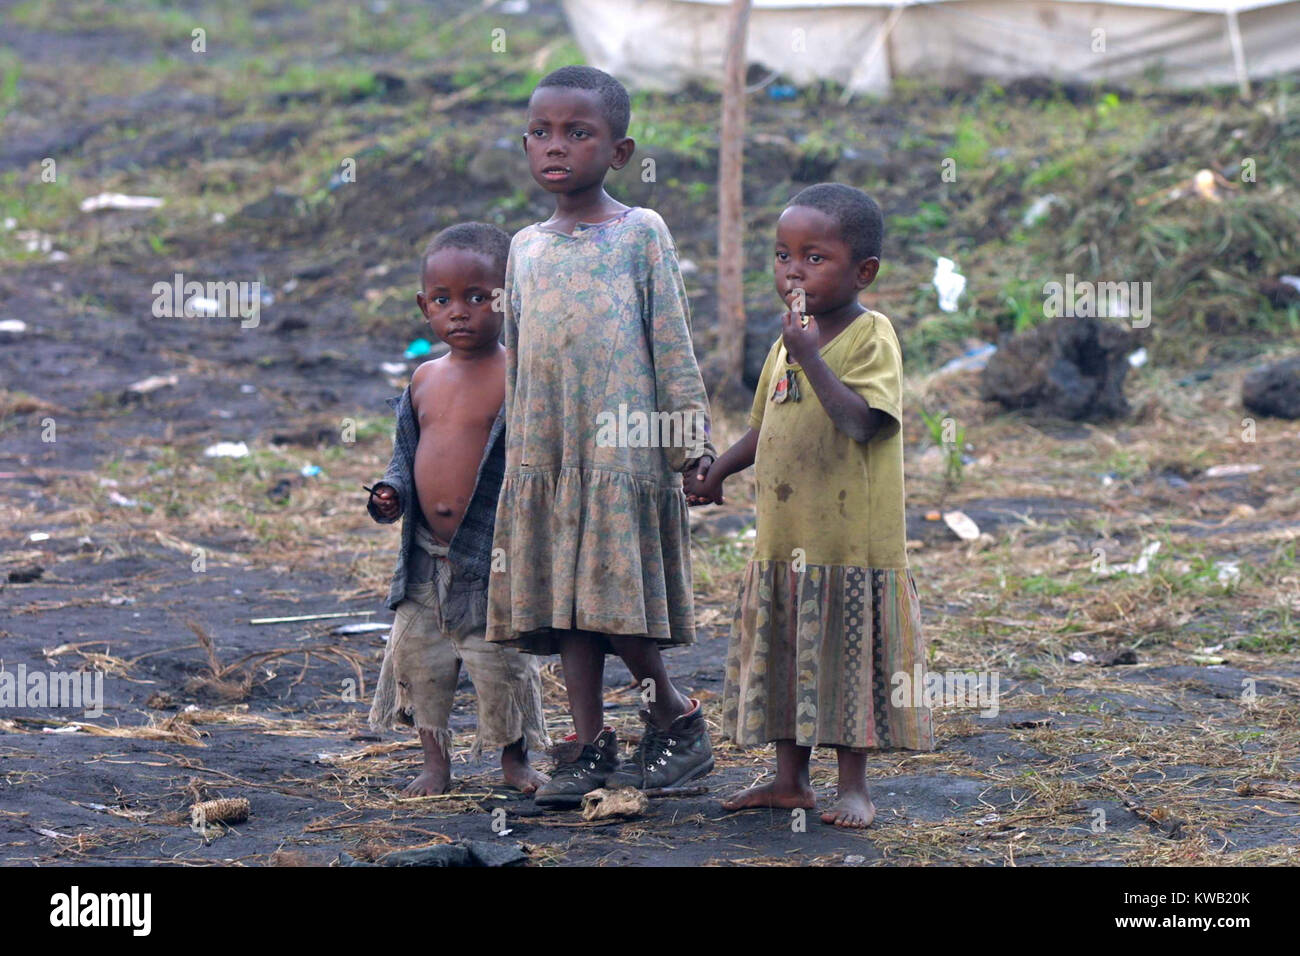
852,810
430,783
436,778
517,772
776,795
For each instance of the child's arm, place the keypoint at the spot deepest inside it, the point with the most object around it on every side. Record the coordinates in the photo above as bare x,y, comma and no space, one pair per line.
848,410
387,502
707,486
678,386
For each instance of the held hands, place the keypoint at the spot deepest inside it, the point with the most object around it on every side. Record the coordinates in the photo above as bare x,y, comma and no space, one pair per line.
386,503
703,484
801,343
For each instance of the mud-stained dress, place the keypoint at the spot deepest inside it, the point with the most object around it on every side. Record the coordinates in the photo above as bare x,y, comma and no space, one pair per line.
592,530
828,619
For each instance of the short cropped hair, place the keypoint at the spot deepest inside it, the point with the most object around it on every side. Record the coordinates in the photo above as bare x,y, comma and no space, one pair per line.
487,240
615,105
862,225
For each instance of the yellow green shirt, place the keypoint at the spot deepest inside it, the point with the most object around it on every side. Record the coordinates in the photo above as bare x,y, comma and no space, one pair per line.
839,500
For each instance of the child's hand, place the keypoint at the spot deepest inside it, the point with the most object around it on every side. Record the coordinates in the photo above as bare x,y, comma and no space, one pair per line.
386,503
801,343
704,485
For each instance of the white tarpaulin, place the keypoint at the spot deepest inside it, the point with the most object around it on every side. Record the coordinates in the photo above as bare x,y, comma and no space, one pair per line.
664,44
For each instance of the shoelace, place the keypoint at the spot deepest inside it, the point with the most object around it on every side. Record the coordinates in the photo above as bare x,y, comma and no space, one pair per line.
653,750
583,763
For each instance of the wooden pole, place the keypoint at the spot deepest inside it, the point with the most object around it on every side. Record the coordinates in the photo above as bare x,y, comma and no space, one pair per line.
731,252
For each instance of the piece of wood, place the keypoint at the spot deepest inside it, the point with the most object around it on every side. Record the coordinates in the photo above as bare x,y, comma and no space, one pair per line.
731,251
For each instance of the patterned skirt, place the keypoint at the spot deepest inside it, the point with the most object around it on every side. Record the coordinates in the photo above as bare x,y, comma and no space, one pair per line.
815,654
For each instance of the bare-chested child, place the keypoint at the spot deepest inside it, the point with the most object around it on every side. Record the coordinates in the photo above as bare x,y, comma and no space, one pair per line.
444,481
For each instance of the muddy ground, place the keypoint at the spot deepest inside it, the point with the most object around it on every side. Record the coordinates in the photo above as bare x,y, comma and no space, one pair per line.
1189,755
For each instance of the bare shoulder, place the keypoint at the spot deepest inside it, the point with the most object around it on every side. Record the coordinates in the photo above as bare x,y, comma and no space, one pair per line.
425,375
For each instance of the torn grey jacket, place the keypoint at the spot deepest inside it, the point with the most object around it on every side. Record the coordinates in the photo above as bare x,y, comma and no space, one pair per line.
470,551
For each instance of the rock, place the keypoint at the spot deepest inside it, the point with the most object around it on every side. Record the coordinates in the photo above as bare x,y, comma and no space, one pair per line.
1274,389
1069,367
26,574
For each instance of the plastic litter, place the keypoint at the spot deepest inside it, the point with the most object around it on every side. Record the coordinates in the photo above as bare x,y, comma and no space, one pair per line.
152,384
418,347
1039,209
13,325
1132,567
226,449
366,628
310,471
1138,358
1231,471
1229,573
38,536
949,283
972,360
961,525
119,201
393,368
780,92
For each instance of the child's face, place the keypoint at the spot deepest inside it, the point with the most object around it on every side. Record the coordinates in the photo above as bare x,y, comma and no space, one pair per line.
569,143
459,290
811,255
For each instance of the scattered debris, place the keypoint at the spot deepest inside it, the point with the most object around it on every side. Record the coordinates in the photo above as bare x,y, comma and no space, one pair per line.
1132,567
418,348
1038,209
1079,657
38,536
1121,657
1231,471
1229,574
961,525
227,449
26,574
1037,723
309,617
153,383
603,804
225,810
119,201
949,283
1138,358
367,628
972,360
14,326
393,368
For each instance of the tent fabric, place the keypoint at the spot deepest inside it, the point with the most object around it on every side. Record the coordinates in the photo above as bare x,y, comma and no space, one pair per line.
664,44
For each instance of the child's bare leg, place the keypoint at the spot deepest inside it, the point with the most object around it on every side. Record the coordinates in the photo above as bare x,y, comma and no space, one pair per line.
853,807
644,660
789,791
436,777
516,770
583,660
